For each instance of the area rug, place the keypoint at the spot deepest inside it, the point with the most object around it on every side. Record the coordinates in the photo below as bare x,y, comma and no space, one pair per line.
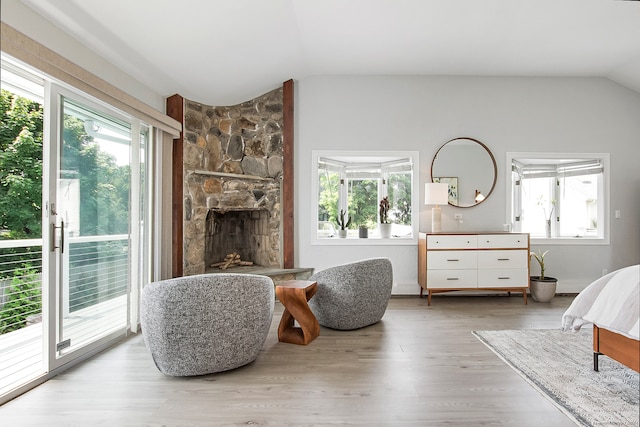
560,366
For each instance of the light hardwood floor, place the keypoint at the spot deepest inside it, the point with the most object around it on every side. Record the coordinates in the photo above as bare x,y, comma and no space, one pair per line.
419,366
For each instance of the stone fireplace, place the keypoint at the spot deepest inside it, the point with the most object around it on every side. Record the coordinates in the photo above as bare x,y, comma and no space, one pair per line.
232,159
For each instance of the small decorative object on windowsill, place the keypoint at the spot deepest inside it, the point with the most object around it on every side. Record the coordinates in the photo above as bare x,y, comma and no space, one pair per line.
385,225
363,232
543,288
342,232
543,203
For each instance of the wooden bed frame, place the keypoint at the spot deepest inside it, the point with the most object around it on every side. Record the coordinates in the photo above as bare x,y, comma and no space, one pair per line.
618,347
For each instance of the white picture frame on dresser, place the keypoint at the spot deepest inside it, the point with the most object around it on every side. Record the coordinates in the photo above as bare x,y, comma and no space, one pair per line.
473,261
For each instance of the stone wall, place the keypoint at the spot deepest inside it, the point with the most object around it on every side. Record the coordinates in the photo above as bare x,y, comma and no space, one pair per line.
232,162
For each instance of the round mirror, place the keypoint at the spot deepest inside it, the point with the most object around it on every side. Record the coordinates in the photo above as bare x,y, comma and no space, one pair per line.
468,167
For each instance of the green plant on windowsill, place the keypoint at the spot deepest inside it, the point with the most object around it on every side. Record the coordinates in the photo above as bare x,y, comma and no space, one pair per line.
385,222
343,224
384,210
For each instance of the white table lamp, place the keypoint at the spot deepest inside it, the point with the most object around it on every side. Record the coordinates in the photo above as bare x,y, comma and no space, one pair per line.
436,193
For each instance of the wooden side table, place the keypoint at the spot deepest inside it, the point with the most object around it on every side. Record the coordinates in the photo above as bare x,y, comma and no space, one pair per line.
294,294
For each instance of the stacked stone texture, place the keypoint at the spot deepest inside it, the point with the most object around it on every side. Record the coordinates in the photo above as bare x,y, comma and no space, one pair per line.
244,139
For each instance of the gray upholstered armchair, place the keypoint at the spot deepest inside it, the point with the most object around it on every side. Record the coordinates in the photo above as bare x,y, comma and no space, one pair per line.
354,295
201,324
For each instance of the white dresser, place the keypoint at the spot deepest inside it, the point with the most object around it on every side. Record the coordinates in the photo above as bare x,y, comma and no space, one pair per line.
473,261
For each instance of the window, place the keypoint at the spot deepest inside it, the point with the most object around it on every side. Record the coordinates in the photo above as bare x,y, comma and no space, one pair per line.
354,183
559,198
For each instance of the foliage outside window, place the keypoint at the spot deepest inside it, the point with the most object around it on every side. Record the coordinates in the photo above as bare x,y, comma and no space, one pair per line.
559,197
21,134
356,184
102,186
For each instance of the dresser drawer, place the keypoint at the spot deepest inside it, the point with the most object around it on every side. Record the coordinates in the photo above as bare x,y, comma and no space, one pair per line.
503,278
449,241
488,241
452,260
503,259
452,279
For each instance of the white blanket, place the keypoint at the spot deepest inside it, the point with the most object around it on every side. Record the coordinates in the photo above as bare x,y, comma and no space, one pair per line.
611,302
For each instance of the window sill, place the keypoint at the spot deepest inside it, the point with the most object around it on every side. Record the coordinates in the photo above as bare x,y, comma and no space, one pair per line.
568,241
370,241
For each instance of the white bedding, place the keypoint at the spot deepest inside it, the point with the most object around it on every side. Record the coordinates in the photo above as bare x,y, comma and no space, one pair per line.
611,302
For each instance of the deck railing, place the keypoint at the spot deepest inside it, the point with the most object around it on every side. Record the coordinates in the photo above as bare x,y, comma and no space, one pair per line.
96,280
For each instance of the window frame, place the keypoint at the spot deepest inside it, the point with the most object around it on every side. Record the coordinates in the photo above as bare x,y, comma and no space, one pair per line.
365,157
512,199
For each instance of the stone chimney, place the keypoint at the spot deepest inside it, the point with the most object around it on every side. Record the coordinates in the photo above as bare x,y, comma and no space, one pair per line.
232,181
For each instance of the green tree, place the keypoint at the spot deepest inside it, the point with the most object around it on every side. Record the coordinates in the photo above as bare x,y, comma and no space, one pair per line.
400,197
363,202
329,194
104,186
104,201
24,299
20,167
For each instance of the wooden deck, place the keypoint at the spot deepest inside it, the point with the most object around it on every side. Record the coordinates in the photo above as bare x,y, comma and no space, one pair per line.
21,351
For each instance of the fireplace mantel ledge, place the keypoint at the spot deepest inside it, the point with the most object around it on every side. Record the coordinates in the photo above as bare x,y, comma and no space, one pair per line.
230,175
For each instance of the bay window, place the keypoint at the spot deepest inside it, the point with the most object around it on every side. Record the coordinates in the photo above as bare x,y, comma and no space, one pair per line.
559,198
354,183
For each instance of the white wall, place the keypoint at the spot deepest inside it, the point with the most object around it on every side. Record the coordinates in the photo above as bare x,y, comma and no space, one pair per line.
28,22
506,114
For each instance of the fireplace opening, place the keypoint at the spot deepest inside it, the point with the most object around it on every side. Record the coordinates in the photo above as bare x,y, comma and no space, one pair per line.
243,232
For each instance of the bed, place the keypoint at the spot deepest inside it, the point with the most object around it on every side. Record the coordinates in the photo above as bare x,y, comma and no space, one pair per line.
612,305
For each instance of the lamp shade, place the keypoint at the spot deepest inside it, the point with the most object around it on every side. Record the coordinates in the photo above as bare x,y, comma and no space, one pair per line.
436,193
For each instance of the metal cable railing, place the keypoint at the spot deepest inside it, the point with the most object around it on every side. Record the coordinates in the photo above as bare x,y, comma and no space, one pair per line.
95,285
96,269
20,285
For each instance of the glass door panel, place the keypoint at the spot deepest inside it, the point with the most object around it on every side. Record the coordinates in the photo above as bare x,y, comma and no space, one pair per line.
21,315
92,226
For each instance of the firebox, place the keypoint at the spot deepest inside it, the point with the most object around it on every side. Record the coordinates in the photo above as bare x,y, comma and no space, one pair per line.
244,232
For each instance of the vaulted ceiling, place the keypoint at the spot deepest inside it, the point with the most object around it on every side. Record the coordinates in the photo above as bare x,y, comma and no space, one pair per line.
223,52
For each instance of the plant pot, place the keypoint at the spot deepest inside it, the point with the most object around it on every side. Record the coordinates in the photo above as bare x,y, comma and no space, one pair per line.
385,230
542,290
342,233
363,232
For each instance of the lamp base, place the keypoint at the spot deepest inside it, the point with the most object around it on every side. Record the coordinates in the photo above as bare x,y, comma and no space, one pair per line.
436,219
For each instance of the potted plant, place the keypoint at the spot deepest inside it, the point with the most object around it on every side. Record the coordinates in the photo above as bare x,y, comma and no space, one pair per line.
343,224
543,288
385,225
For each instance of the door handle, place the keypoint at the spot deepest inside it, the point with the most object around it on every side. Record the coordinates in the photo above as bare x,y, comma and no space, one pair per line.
53,237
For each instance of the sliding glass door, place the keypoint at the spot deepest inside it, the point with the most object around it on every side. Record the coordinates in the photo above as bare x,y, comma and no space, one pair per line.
74,241
89,223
